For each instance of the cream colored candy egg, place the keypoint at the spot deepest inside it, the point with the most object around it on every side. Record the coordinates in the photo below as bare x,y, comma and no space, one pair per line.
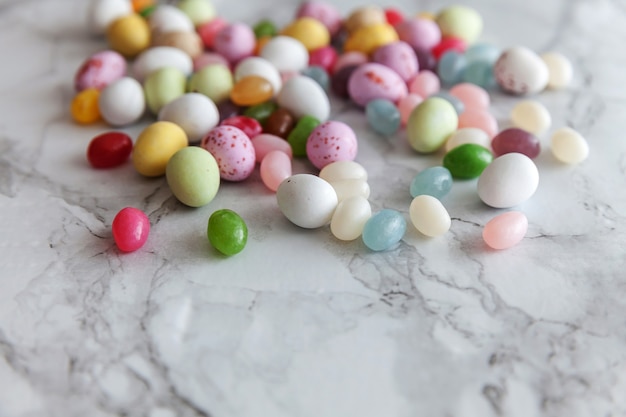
532,116
429,216
286,54
569,146
350,217
560,70
343,170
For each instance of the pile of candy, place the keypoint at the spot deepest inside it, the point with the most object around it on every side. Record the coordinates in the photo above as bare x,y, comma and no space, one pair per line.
258,95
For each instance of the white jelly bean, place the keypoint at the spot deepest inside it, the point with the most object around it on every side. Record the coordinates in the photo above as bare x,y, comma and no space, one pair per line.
195,113
520,71
302,96
349,218
255,65
569,146
531,116
508,181
168,18
468,135
122,102
350,188
429,216
286,54
343,170
559,69
158,57
275,168
307,200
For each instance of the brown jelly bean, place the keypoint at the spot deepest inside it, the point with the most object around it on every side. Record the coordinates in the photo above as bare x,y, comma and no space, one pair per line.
280,123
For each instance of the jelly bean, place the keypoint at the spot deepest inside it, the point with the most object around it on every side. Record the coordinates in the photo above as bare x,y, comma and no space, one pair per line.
516,140
311,32
208,58
369,38
193,176
260,44
329,142
569,146
100,70
324,12
325,57
298,137
364,17
467,161
159,57
384,230
316,103
448,44
521,71
339,82
235,42
167,18
266,143
286,54
482,52
531,116
434,181
406,106
104,12
343,170
188,42
199,11
163,86
350,217
280,123
505,230
351,188
458,105
306,200
265,28
233,151
480,119
139,5
195,113
131,228
394,16
84,107
425,84
398,56
429,216
372,81
471,95
349,59
261,112
147,11
481,74
430,124
275,168
109,149
227,232
508,181
129,35
383,116
426,60
419,33
319,75
209,30
460,22
228,109
214,81
451,67
251,90
154,147
468,135
122,102
261,67
559,70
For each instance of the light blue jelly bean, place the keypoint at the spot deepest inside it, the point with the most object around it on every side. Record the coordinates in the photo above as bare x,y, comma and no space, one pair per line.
434,181
383,116
451,67
482,52
384,229
481,74
458,105
319,75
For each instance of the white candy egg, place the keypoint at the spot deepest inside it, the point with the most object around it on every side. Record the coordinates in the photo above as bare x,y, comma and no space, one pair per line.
103,12
168,18
569,146
521,71
508,181
255,65
307,200
286,54
122,102
532,116
303,96
158,57
350,217
195,113
429,216
559,69
468,135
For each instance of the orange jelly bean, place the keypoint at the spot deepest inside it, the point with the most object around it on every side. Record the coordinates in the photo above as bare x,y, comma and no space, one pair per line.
84,106
139,5
251,90
260,43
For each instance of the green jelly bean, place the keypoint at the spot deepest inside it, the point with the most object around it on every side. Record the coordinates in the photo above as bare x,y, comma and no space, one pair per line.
467,161
147,11
265,28
214,81
430,124
300,134
163,86
261,112
227,232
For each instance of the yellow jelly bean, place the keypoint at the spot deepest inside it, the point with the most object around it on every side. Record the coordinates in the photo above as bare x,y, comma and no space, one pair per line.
129,35
369,38
84,106
155,146
251,90
311,32
363,17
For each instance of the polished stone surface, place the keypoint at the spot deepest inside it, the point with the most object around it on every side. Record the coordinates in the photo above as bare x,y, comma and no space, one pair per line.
300,324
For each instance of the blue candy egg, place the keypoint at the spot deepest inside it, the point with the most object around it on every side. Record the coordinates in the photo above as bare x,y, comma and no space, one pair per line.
451,67
458,105
383,116
319,75
433,181
481,74
384,229
482,52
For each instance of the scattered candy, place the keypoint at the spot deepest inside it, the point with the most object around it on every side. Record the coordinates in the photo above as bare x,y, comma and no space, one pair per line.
429,216
372,81
383,116
516,140
384,230
480,119
311,32
400,57
214,81
193,176
195,113
233,151
251,90
531,116
109,149
350,217
122,102
569,146
430,124
468,135
154,147
227,232
299,135
316,103
425,84
129,35
286,54
275,168
350,188
508,181
467,161
163,86
158,57
131,228
520,71
330,142
259,66
307,200
100,70
560,70
433,181
84,107
343,170
460,22
505,230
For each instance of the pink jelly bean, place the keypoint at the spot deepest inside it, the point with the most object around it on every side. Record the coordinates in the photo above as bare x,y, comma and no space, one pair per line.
130,229
209,31
209,58
471,95
266,143
419,33
324,57
406,106
400,57
350,59
480,119
425,84
324,12
251,127
235,42
275,168
505,230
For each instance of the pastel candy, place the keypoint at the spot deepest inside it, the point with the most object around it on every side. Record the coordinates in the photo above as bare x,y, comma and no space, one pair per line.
508,181
372,81
472,95
460,22
480,119
425,84
233,151
307,200
193,176
350,217
521,71
419,33
322,11
384,230
433,181
295,89
429,216
505,230
286,54
100,70
430,124
275,168
235,42
532,116
266,143
569,146
330,142
400,57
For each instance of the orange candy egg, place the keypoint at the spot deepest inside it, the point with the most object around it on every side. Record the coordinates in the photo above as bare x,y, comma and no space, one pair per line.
251,90
84,108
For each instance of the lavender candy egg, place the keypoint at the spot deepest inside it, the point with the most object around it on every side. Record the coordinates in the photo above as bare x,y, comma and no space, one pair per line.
331,142
233,150
521,71
400,57
372,81
324,12
235,42
100,70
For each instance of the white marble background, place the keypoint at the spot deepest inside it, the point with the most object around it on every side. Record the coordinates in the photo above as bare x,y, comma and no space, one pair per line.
300,324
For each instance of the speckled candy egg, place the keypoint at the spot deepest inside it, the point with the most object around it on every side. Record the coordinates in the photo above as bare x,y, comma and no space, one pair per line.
372,81
521,71
100,70
330,142
233,151
400,57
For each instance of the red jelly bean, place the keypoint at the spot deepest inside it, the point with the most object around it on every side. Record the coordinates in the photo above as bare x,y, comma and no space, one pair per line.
394,16
109,150
324,57
251,127
208,31
516,140
130,229
449,44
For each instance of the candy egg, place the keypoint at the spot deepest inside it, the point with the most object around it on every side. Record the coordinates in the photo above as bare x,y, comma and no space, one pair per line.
521,71
208,58
384,230
479,118
251,90
324,12
235,42
122,102
531,116
198,11
559,70
406,105
100,70
419,33
363,17
330,142
195,113
311,32
233,151
350,217
209,30
154,147
163,86
302,96
131,228
472,95
129,35
505,230
569,146
460,22
325,57
351,188
104,12
372,81
383,116
429,216
188,42
430,124
286,54
508,181
280,123
214,81
400,57
227,232
166,18
261,67
307,200
193,176
159,57
251,127
425,84
369,38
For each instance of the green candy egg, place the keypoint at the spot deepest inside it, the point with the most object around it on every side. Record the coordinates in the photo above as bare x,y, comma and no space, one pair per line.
467,161
460,22
193,176
214,81
227,232
261,112
199,11
163,86
299,135
430,124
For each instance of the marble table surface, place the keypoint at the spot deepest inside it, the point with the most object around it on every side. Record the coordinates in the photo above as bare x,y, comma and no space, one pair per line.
300,324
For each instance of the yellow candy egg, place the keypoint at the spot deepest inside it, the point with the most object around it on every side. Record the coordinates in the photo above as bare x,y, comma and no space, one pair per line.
155,146
129,35
311,32
363,17
84,108
369,38
251,90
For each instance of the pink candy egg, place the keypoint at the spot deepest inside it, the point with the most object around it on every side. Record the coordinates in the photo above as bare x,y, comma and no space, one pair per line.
275,168
406,106
372,81
130,229
480,119
325,57
324,12
100,70
235,42
208,31
209,58
232,150
505,230
330,142
419,33
266,143
425,84
471,95
400,57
